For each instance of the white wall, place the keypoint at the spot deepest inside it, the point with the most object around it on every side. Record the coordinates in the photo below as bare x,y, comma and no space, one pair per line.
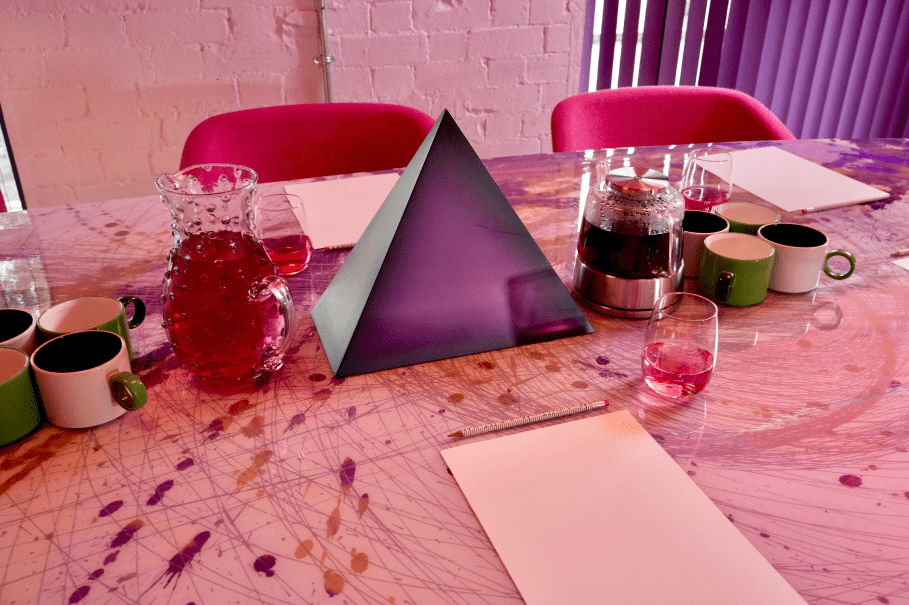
100,95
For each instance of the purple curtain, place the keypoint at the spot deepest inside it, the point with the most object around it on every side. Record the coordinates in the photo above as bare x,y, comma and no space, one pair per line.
827,68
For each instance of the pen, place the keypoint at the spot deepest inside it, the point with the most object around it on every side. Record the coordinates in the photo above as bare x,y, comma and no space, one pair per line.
899,253
507,424
335,247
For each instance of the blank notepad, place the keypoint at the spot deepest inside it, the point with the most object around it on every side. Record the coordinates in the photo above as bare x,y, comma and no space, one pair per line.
796,184
338,210
595,511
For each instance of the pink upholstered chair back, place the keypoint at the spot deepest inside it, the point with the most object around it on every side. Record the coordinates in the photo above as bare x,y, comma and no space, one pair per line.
302,141
661,115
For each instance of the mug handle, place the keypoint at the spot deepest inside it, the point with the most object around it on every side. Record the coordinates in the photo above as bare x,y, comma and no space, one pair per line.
273,285
848,256
724,285
128,391
138,310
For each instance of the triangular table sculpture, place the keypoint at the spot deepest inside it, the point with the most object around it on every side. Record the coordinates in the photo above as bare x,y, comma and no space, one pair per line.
445,268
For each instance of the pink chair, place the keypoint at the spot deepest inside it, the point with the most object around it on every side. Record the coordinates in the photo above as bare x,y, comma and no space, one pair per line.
301,141
661,115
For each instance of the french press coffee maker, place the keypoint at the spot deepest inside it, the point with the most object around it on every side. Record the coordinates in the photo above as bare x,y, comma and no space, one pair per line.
630,243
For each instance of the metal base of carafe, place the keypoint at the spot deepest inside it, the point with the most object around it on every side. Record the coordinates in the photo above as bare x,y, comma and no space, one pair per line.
620,296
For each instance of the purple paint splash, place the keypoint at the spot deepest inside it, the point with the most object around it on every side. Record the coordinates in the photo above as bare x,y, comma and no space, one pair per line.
180,560
111,508
159,492
264,564
851,480
296,421
185,464
79,594
126,534
348,470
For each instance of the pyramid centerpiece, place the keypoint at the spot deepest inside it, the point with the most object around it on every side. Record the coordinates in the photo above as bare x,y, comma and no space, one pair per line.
445,268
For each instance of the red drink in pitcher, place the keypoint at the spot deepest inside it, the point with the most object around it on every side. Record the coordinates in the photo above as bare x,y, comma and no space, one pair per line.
217,326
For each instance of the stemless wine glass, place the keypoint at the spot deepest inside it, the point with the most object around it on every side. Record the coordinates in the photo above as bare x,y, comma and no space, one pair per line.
706,179
281,225
680,345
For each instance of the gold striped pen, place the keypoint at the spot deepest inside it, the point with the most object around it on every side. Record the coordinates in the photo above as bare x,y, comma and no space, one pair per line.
335,247
507,424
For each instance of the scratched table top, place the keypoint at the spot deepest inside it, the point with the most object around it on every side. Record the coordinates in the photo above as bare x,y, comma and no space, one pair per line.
311,489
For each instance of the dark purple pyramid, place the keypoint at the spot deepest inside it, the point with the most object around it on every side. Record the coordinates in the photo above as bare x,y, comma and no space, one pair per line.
446,268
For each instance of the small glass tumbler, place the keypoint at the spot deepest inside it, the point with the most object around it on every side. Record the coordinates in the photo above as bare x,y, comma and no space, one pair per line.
706,179
680,345
281,225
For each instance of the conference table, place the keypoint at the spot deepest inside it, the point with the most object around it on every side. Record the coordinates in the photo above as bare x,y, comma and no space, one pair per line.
313,489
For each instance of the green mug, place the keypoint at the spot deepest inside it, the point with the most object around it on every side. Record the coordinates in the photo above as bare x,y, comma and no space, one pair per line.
93,313
735,269
19,411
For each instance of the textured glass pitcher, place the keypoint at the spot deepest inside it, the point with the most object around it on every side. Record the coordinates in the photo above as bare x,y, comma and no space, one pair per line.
227,313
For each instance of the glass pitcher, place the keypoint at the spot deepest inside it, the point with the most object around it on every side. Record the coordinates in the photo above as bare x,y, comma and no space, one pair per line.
227,313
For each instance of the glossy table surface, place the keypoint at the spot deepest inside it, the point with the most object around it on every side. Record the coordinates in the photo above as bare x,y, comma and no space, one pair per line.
311,489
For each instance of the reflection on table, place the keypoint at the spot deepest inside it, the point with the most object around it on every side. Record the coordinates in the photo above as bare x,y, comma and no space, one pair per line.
311,487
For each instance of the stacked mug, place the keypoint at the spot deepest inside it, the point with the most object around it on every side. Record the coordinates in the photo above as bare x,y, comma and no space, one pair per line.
72,362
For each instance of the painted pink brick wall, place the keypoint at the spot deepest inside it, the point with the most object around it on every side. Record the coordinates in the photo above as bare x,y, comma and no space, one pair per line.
100,95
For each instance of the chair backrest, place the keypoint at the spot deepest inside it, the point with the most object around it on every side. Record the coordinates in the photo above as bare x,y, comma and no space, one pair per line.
302,141
661,115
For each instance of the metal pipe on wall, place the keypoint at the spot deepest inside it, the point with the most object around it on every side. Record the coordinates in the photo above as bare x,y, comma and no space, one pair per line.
323,59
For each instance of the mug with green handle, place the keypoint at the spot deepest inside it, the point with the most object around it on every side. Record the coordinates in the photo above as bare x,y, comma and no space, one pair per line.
735,269
93,313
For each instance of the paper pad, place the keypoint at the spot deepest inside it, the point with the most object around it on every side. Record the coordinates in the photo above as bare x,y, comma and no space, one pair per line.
338,211
595,511
796,184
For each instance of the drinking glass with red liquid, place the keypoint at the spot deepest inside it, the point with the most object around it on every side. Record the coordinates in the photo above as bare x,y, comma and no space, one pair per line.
281,225
706,179
680,345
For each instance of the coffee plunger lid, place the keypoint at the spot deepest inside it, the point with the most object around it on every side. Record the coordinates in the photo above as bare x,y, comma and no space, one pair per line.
634,179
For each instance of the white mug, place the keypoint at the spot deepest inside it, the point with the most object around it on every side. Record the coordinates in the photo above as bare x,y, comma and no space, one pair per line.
18,330
83,379
696,226
801,255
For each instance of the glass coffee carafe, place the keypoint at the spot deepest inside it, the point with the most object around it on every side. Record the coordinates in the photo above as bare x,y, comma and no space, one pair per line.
630,242
227,313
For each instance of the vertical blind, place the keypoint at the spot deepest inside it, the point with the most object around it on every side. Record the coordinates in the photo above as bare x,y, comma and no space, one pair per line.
827,68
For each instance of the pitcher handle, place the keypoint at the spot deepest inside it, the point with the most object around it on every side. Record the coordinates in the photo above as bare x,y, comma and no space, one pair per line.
273,285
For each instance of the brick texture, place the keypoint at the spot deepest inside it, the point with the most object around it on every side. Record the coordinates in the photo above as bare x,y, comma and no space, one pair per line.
100,95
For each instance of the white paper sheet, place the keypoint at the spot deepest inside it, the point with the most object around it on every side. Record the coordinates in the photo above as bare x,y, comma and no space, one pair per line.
795,184
595,511
338,211
902,262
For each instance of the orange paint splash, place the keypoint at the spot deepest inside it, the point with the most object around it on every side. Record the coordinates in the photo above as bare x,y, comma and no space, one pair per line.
334,523
359,561
304,548
363,504
240,407
255,469
334,583
255,427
